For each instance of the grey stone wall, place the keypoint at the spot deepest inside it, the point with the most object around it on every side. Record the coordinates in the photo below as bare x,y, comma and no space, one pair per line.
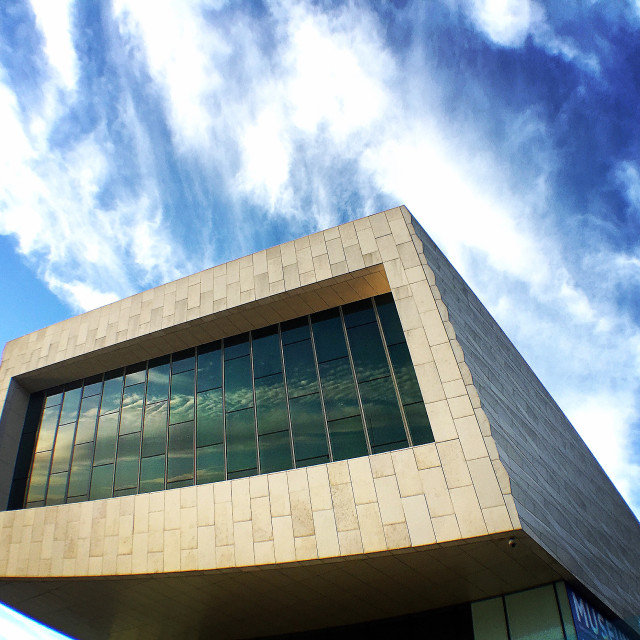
563,497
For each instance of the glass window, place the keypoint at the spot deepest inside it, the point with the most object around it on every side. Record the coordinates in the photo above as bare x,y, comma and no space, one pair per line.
158,380
328,335
389,319
39,476
238,393
307,426
295,330
62,449
112,392
182,400
92,386
347,438
210,464
301,369
80,469
236,346
358,313
135,374
533,614
382,413
48,428
271,404
57,488
275,452
210,420
241,441
101,482
338,389
266,352
418,423
152,474
70,405
54,398
127,461
106,439
154,433
180,452
209,366
405,373
183,361
132,403
87,420
488,620
368,354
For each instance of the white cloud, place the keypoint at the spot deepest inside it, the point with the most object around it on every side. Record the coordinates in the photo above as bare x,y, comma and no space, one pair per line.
54,19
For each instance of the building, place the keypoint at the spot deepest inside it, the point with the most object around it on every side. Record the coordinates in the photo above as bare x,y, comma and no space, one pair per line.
332,432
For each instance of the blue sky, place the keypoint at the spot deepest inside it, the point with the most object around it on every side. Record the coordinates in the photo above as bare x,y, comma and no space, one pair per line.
142,141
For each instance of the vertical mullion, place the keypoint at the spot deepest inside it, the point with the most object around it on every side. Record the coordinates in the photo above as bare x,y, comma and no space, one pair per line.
320,391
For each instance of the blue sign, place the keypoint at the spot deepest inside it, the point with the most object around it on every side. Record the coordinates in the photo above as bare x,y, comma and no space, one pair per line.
591,624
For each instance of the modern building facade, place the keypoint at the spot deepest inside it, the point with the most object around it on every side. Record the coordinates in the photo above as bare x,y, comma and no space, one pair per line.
329,434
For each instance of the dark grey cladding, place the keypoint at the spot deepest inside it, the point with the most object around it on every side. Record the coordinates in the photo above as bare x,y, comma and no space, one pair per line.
564,499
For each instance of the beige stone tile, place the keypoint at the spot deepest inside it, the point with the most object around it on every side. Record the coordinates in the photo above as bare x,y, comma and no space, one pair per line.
206,547
513,512
461,407
491,447
455,388
188,528
224,524
418,520
206,505
225,556
348,234
301,516
445,362
423,297
338,472
326,533
397,535
319,490
485,483
404,463
243,542
468,512
362,480
139,553
398,227
306,548
279,494
171,550
381,465
442,424
409,316
497,519
371,530
436,492
261,519
408,255
335,251
446,528
318,244
429,381
426,456
366,240
389,500
241,499
473,396
350,542
322,267
283,543
344,507
502,476
264,552
156,501
388,248
418,346
258,486
188,559
125,535
483,421
354,257
471,437
380,225
454,464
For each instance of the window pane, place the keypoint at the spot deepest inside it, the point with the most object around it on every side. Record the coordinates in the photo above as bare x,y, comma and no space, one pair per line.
80,469
488,620
62,450
236,346
307,425
210,464
311,461
39,476
57,488
271,404
241,440
340,400
533,615
347,438
70,405
158,382
238,393
209,367
180,456
383,414
132,402
210,422
266,352
275,452
182,390
101,482
87,419
154,433
389,319
111,394
368,354
135,374
128,461
152,474
92,386
418,422
48,428
183,361
54,399
358,313
295,330
405,373
301,369
328,335
106,439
